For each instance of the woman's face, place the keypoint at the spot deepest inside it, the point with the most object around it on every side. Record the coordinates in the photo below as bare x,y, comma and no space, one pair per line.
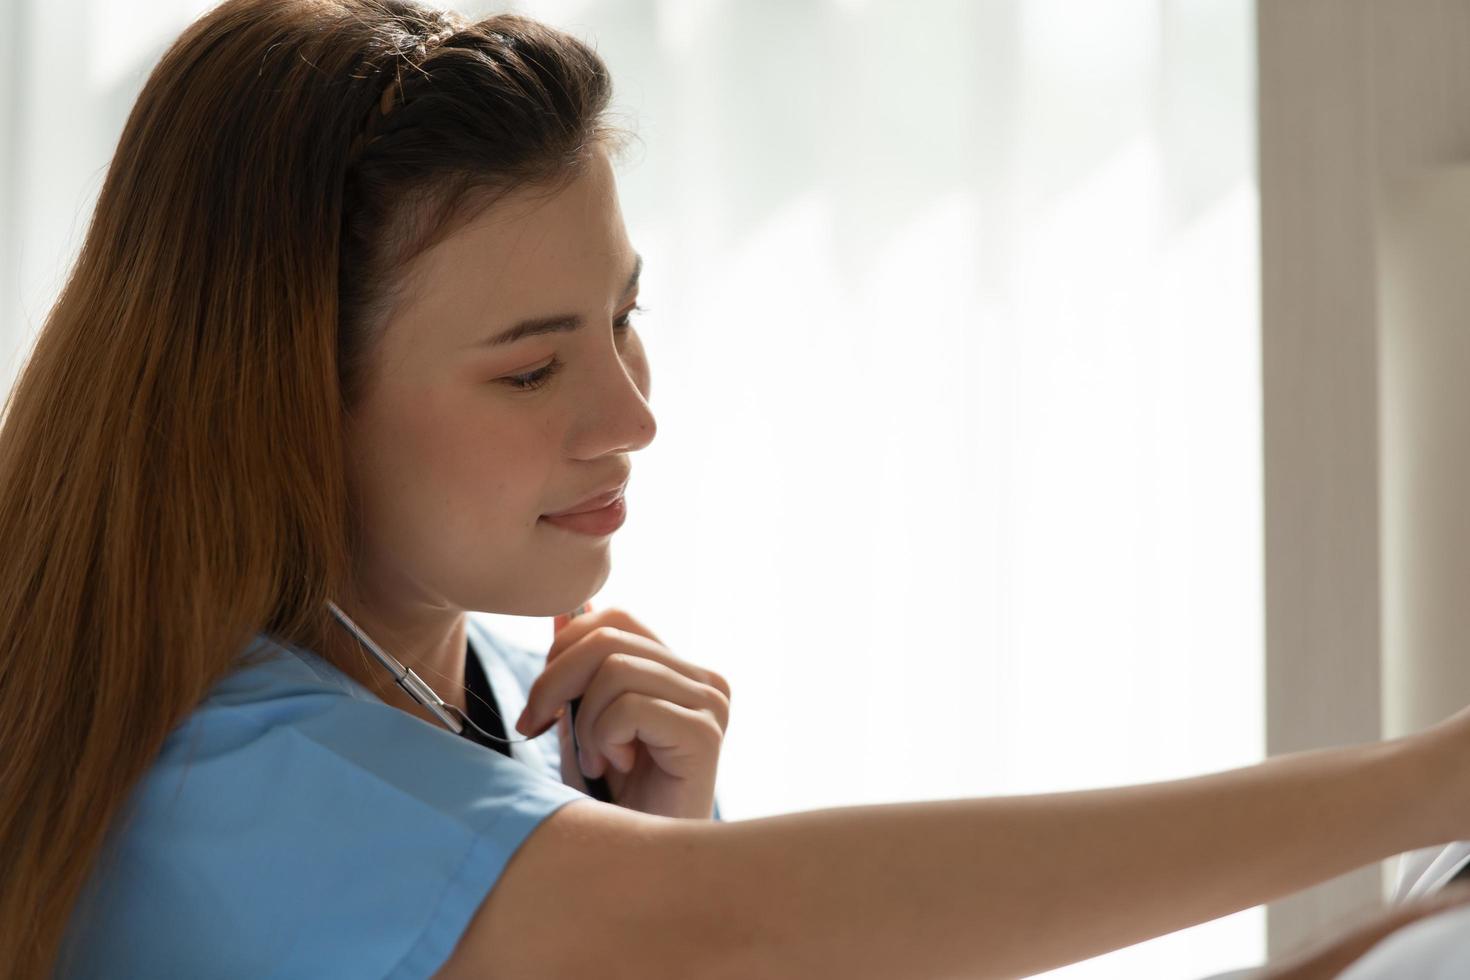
451,465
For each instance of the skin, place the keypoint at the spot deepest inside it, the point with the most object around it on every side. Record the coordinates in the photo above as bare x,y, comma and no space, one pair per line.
452,467
453,461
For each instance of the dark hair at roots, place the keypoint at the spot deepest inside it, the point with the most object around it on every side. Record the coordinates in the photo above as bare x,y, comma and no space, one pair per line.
172,478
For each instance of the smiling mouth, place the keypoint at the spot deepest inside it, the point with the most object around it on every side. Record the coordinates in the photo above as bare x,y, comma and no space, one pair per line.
598,502
598,523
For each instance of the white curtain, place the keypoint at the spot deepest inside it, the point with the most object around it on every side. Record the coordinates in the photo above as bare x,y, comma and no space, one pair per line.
954,335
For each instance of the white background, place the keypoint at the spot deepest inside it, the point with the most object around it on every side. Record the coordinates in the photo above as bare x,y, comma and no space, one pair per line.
953,322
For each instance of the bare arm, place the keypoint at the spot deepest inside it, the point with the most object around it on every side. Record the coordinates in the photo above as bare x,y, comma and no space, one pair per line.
1011,886
992,887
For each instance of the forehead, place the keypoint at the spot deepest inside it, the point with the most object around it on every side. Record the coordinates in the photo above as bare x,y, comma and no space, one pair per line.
533,249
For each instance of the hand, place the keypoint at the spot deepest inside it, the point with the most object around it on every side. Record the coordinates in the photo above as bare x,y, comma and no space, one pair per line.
1328,959
650,723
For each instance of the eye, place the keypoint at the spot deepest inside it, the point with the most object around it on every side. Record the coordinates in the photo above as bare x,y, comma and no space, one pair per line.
533,379
625,321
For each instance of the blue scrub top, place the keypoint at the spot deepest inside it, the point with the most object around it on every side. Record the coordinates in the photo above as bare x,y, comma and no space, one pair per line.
295,825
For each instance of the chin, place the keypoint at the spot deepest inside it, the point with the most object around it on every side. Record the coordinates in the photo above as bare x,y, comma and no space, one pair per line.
548,599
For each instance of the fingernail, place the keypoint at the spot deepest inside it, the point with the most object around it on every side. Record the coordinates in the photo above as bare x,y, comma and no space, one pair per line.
553,720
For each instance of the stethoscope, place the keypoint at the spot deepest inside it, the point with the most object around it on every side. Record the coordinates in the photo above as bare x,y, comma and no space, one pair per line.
421,692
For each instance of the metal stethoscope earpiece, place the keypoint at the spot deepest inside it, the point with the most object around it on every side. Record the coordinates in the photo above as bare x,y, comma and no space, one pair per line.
414,684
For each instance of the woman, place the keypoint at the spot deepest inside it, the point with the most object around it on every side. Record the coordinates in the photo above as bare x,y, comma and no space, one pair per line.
278,385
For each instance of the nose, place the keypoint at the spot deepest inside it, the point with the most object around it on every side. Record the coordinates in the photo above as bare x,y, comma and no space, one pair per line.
619,418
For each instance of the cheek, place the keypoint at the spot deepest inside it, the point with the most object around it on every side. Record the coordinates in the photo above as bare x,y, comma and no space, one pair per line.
437,466
409,450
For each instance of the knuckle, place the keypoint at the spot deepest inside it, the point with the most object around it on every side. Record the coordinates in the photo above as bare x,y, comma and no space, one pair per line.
617,614
626,622
621,660
712,731
622,703
717,681
718,705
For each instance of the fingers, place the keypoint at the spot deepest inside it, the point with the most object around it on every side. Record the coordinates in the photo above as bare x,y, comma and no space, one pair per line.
579,626
680,740
617,618
621,675
572,672
622,672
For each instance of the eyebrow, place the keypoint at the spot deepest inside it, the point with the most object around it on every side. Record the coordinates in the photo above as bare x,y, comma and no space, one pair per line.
554,324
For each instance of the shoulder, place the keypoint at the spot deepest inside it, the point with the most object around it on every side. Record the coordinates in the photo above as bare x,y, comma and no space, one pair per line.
294,824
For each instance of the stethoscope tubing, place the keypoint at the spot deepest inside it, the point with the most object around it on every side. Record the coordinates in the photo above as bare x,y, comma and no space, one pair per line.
422,693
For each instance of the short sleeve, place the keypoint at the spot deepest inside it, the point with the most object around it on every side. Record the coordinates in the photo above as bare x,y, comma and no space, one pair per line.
291,828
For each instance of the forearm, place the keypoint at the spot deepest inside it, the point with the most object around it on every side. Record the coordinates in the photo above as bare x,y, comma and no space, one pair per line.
1011,886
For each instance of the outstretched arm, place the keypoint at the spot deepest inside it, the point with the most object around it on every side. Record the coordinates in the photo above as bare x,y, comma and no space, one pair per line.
1012,886
975,888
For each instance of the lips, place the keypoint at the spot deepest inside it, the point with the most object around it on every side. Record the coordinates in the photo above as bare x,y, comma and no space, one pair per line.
597,502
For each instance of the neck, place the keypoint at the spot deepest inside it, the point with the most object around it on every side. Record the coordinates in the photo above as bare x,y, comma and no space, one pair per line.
430,642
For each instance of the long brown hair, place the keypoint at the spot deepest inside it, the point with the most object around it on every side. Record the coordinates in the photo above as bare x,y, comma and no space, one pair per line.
172,478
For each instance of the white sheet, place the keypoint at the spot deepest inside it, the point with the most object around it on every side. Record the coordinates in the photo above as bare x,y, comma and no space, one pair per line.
1429,869
1435,948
